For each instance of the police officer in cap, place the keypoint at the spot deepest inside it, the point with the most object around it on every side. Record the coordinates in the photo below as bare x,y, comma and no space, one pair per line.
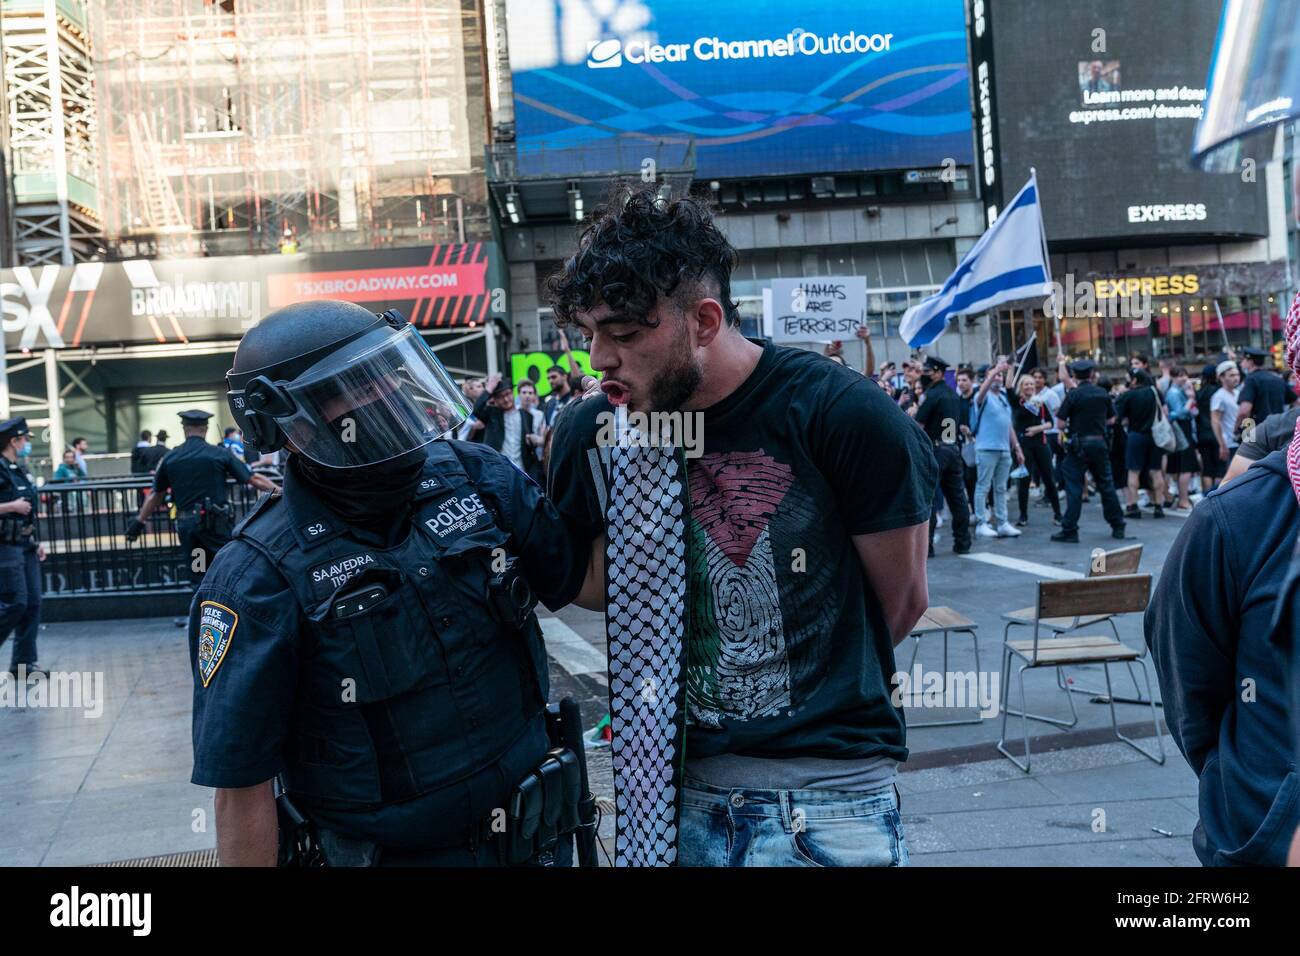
1263,393
940,416
1085,413
21,552
367,640
196,473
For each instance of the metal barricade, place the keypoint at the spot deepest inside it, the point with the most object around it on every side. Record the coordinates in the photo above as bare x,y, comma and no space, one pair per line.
83,525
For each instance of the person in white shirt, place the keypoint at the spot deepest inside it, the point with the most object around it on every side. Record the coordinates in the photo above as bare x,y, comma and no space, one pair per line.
1223,409
529,401
508,428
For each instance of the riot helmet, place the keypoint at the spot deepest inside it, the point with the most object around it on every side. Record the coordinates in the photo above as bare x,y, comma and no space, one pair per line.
346,387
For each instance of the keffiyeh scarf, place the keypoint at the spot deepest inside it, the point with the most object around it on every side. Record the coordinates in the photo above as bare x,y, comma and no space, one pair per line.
1292,332
645,622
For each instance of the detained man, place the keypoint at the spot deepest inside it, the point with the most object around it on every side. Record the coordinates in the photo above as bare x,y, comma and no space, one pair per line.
806,506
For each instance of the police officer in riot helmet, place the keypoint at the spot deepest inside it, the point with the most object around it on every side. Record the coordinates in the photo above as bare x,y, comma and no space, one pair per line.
196,474
365,653
21,551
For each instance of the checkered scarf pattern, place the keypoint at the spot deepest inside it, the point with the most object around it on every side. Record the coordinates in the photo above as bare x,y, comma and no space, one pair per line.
1292,333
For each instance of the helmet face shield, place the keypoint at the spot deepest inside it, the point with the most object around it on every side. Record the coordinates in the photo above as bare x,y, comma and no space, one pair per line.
1254,84
381,396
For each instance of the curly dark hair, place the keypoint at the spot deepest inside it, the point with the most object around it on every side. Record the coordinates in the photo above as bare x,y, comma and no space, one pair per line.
640,247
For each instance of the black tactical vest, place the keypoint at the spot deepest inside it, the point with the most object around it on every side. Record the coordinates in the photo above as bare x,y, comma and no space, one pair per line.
15,483
407,682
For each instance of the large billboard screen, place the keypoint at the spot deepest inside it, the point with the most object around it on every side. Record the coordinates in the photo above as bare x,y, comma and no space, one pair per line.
181,300
1102,99
761,87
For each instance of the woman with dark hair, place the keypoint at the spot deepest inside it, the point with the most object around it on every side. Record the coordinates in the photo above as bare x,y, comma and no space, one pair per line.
1139,407
1206,444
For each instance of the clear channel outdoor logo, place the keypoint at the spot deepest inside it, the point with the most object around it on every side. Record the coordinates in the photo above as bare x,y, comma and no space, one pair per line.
609,53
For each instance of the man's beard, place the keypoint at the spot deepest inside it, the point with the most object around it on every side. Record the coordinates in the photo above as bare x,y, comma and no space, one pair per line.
673,387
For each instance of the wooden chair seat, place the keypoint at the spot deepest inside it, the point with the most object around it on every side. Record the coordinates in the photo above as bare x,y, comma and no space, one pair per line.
1076,649
1025,615
942,619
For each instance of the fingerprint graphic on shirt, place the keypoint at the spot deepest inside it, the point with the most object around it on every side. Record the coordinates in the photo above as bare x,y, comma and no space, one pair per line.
737,661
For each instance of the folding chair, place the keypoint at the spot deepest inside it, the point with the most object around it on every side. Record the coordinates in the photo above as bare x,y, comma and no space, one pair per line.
938,620
1106,596
1123,560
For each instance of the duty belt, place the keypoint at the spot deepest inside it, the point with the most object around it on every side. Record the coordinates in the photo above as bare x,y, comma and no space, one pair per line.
14,531
551,804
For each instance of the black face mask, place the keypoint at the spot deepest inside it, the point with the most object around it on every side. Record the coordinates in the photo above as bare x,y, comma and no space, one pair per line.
365,496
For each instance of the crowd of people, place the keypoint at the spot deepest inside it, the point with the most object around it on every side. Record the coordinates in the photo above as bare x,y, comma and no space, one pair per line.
520,428
1161,438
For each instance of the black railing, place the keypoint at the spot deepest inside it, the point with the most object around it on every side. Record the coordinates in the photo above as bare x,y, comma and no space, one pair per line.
83,526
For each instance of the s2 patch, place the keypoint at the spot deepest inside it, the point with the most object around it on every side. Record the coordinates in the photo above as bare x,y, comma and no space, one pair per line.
217,625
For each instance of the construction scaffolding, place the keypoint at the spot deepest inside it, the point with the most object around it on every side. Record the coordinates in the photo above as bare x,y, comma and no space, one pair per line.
50,131
244,127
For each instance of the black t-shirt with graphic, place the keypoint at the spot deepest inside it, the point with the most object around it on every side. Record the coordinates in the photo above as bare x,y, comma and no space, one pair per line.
788,651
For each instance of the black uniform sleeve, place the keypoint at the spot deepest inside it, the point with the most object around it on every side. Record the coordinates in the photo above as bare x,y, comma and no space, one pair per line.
1067,406
236,468
550,556
160,480
879,463
243,632
1191,628
1249,391
570,482
926,411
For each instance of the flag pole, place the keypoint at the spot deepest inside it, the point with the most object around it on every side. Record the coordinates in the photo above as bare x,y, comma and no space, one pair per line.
1223,329
1047,260
1023,352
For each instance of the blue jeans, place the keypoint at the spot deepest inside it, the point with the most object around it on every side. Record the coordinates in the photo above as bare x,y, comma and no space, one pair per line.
790,827
993,468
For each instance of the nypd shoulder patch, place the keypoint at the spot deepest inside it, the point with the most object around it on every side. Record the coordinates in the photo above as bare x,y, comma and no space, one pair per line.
217,625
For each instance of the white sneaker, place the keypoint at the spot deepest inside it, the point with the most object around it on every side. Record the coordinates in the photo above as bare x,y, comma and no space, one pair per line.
1143,498
1007,530
938,520
986,531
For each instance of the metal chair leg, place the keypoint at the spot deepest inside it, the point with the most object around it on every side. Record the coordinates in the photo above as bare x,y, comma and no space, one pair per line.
1155,720
1096,692
975,640
1002,748
1055,721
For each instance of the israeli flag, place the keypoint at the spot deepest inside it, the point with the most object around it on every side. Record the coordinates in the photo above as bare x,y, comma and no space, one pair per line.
1008,263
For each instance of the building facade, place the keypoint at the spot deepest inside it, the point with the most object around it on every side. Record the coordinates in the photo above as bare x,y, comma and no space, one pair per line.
214,159
831,144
